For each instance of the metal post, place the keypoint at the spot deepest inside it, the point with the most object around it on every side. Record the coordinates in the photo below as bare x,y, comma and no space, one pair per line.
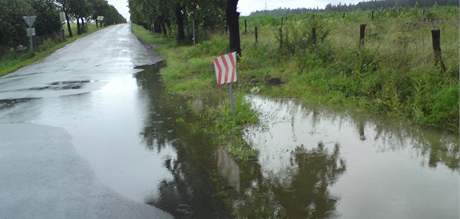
30,20
232,98
31,43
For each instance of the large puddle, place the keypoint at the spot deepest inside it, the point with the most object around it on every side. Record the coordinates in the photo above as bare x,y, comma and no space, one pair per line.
312,162
321,162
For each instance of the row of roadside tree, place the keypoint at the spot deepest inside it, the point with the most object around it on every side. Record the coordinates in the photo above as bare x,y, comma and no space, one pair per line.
188,20
48,22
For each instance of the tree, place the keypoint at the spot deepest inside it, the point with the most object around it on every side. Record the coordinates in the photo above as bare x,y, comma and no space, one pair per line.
48,21
80,9
66,9
233,24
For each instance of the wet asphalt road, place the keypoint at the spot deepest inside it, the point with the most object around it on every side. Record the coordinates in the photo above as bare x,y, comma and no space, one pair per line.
61,154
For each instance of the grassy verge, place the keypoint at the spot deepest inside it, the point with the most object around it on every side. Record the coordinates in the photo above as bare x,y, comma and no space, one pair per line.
14,61
393,74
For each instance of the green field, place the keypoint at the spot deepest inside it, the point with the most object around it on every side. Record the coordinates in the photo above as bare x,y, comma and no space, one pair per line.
13,61
393,74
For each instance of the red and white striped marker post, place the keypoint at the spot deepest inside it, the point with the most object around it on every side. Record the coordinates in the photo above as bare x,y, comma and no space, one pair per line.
225,68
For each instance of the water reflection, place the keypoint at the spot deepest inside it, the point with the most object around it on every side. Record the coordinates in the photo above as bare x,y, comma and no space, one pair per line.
434,147
304,193
192,191
391,166
208,183
312,162
228,168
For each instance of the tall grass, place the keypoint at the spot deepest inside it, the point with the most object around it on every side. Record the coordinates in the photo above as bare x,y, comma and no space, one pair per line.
394,73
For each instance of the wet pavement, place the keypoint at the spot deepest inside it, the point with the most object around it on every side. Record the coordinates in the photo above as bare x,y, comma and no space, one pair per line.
60,157
86,134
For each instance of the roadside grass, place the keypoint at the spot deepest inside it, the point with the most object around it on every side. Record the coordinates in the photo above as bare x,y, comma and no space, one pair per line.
14,61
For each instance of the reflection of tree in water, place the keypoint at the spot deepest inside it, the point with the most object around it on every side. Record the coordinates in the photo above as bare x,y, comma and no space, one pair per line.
307,195
191,192
436,147
304,195
160,125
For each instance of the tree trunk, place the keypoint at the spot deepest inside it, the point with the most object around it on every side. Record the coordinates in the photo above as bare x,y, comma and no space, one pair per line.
180,24
83,28
156,26
68,23
78,26
233,26
163,27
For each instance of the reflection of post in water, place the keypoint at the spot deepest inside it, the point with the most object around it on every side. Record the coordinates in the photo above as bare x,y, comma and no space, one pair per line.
228,168
361,127
314,117
294,137
306,194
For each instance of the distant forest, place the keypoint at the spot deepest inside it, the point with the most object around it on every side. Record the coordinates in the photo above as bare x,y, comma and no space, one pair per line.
366,5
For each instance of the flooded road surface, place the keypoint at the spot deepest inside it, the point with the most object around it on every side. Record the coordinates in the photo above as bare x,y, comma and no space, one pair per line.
89,135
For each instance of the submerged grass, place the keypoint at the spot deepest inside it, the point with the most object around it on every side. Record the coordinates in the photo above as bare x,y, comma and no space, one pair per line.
14,61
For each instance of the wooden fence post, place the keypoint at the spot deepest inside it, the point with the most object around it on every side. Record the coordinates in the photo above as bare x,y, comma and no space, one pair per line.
245,26
256,34
281,33
362,34
313,35
436,38
281,37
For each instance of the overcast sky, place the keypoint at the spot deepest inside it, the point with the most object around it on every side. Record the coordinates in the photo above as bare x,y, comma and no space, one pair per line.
248,6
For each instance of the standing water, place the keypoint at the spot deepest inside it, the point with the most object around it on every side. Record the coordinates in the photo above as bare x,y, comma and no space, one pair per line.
321,163
311,162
